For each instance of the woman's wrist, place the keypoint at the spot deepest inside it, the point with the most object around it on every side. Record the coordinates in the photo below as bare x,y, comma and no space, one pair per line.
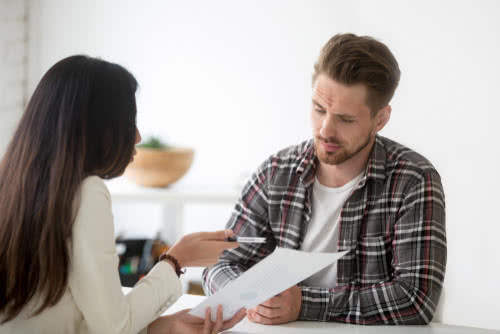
178,256
170,263
172,260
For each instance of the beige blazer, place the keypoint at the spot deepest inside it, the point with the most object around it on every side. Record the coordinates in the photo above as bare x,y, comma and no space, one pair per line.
94,301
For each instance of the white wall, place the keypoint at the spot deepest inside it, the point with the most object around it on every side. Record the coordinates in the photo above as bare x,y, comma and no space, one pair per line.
232,80
13,44
213,74
447,108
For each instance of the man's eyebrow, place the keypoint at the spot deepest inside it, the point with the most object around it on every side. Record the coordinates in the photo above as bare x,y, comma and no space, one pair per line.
318,104
344,116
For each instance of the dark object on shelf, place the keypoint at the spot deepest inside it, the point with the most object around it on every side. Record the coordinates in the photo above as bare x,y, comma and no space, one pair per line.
137,257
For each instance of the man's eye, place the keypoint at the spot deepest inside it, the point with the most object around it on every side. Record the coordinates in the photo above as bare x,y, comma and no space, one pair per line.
320,111
348,121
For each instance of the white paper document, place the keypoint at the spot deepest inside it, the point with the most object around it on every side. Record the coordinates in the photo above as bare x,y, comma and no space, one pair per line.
271,276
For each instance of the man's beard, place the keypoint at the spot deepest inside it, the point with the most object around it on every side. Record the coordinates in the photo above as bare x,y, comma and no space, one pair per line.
341,155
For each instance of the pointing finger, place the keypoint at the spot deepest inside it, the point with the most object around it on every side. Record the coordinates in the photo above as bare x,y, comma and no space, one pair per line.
217,235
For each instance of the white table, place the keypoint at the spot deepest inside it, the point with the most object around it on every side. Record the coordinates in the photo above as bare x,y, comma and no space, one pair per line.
312,327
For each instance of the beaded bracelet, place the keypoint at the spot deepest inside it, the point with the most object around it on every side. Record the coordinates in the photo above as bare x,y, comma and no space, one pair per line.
167,257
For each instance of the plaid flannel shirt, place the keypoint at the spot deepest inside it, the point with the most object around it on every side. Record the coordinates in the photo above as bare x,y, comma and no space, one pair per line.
393,226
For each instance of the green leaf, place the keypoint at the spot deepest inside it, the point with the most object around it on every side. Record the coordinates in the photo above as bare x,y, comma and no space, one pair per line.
154,143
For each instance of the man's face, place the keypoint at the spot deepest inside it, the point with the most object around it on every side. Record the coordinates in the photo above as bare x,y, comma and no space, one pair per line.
341,120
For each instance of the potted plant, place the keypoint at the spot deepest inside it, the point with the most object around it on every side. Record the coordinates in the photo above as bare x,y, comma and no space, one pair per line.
157,164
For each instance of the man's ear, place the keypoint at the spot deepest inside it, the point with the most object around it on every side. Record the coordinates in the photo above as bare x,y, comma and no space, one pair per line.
382,117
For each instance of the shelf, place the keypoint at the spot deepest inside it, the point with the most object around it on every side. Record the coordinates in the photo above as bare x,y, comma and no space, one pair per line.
123,190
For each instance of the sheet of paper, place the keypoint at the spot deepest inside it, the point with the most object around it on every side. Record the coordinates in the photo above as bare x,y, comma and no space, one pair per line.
274,274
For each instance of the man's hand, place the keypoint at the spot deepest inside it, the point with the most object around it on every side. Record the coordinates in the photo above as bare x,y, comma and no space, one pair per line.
280,309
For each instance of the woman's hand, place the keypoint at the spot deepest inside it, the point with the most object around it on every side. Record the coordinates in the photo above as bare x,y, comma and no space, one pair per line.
201,249
184,323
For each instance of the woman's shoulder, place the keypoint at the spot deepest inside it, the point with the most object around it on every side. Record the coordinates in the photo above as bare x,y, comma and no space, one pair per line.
92,204
92,197
93,185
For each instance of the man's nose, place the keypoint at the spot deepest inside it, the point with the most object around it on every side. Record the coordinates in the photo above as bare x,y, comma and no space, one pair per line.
328,128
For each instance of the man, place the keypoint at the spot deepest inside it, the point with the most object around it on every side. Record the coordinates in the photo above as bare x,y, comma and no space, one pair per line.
346,189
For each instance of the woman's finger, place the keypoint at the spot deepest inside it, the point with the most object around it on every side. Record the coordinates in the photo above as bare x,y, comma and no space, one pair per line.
219,321
208,322
217,235
235,319
222,245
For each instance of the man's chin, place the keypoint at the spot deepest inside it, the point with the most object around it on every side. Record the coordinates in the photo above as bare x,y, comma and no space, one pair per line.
331,158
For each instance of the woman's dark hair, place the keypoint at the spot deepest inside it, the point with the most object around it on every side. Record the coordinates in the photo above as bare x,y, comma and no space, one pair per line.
79,122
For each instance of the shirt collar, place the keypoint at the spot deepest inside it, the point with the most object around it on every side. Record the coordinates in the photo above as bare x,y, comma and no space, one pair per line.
307,164
375,168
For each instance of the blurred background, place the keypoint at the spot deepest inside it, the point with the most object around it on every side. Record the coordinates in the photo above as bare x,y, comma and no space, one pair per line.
232,80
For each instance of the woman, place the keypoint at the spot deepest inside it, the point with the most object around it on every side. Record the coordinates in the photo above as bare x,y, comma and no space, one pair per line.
58,265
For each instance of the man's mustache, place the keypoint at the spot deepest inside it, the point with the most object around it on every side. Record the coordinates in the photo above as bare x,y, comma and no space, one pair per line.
330,140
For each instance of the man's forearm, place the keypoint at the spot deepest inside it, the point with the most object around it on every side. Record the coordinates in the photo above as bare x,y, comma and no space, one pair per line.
220,275
391,303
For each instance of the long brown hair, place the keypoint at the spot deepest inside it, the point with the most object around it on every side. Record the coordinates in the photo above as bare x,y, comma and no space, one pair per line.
79,122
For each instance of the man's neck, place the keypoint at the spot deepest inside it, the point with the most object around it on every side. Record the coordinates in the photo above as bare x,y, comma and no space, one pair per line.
335,176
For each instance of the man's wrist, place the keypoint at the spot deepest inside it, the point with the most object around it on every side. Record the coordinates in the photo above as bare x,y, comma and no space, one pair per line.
301,302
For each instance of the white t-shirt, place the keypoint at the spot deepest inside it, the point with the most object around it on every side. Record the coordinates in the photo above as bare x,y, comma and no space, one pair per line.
323,230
